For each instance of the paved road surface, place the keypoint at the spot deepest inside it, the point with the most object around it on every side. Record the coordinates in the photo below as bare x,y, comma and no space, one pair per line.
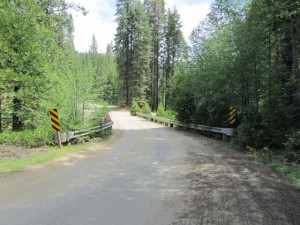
146,174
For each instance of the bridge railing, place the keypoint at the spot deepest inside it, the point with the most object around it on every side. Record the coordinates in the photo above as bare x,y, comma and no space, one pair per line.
225,131
70,135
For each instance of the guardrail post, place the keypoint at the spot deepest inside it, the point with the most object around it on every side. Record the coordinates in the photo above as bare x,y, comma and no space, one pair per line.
57,137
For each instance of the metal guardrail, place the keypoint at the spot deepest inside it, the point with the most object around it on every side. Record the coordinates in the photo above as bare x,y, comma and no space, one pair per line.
70,135
225,131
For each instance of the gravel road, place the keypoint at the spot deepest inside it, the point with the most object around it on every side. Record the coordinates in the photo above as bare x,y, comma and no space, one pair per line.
147,174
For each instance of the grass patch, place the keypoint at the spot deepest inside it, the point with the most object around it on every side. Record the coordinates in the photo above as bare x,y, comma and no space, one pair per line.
292,171
280,162
52,153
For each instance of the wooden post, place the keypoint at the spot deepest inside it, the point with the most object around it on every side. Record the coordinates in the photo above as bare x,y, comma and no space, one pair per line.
57,134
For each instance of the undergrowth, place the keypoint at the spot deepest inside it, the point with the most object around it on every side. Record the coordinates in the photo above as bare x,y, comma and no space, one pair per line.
282,161
135,108
40,136
43,135
168,114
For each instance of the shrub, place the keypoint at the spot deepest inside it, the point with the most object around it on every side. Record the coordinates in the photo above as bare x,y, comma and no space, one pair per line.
250,134
170,114
293,142
160,111
135,108
146,109
97,116
292,147
41,136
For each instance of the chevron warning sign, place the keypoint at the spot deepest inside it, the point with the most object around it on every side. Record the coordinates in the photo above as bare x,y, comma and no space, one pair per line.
54,120
233,116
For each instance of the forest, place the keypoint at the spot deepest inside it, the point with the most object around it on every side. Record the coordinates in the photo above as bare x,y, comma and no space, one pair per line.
41,70
245,54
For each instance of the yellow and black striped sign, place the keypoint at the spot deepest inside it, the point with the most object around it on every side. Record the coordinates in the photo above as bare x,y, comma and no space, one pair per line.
233,116
54,120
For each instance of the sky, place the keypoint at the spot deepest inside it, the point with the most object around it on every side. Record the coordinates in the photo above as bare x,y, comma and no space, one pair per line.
100,20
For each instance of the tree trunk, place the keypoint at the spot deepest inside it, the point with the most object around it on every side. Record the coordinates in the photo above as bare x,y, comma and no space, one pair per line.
295,52
153,85
127,92
167,95
17,122
157,76
0,116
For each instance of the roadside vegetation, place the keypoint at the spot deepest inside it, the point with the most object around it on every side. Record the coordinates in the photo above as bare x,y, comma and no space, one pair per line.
245,54
281,160
41,70
43,135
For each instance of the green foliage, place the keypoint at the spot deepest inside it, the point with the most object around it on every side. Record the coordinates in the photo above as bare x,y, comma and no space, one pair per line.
40,70
160,110
156,12
38,137
168,114
243,55
135,108
293,142
291,170
149,45
172,49
283,161
132,45
96,117
250,134
146,109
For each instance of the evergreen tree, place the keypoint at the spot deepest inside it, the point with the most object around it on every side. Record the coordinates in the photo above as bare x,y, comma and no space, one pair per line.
172,49
23,59
93,51
156,12
132,47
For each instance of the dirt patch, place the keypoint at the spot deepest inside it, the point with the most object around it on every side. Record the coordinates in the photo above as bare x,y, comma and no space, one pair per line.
226,187
122,108
12,152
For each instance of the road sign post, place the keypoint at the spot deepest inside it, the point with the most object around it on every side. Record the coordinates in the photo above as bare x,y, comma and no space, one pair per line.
55,125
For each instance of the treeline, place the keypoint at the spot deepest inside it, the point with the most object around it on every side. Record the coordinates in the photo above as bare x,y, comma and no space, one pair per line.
40,68
148,46
245,54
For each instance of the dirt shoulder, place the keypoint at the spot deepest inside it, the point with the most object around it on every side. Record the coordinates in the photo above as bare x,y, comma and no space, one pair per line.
226,187
9,152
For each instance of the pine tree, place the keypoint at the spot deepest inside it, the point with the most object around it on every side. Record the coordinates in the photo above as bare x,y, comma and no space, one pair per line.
93,51
122,45
132,47
24,58
173,45
156,12
141,53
